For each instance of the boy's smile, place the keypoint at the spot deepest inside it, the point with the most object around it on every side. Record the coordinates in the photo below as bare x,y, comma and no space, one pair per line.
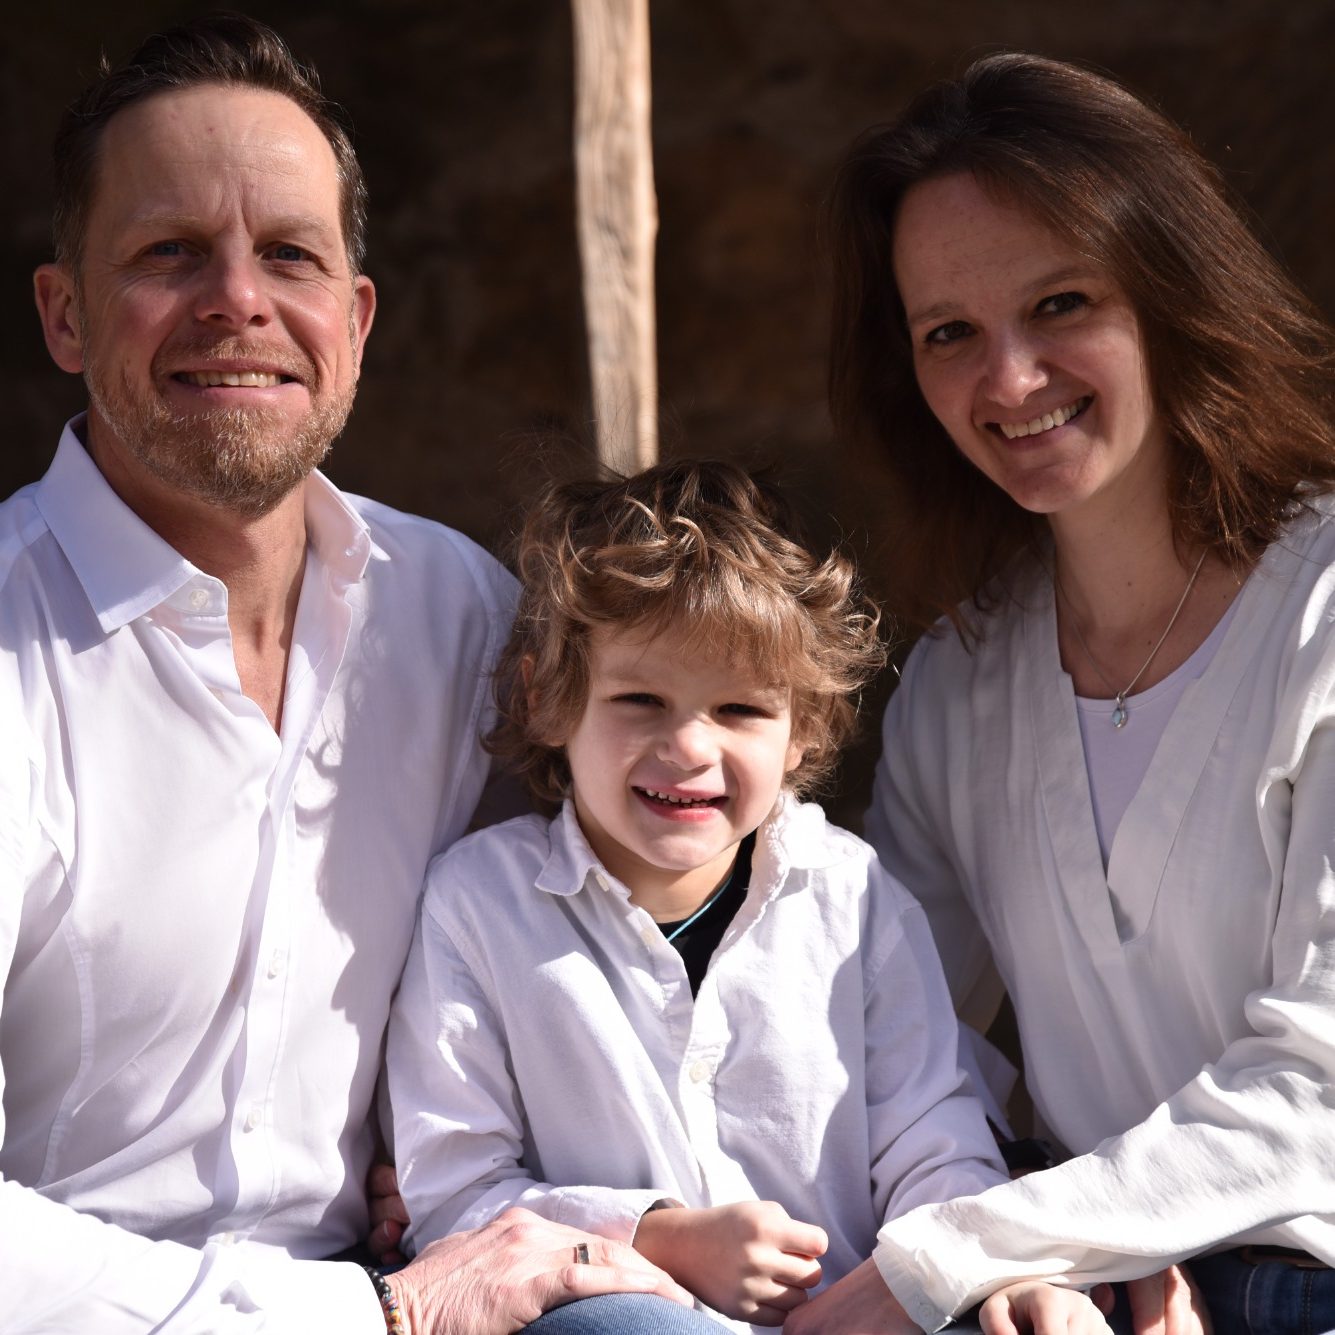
677,757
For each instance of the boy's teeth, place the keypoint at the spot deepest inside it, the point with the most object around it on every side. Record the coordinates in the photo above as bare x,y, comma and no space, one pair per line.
1059,417
679,801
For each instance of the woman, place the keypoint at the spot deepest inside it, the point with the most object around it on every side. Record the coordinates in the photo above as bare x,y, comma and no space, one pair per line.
1111,773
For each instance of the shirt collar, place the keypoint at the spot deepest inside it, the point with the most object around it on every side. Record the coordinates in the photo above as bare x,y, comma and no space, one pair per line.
794,836
126,569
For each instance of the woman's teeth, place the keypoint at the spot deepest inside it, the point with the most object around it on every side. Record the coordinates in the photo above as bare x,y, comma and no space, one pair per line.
1059,417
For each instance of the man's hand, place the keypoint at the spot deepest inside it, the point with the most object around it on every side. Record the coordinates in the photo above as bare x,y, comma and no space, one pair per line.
496,1279
859,1304
748,1260
1168,1303
389,1215
1045,1309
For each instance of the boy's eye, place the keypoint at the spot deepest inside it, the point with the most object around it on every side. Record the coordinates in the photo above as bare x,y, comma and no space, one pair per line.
745,711
636,698
950,332
1061,303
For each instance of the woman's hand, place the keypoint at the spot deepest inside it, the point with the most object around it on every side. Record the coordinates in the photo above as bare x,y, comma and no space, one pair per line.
1044,1309
859,1304
1168,1303
748,1260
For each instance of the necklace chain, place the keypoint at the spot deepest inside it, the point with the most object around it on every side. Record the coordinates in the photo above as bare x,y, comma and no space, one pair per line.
1121,712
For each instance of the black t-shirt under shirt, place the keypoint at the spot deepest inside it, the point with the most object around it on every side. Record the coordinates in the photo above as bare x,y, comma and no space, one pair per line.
697,944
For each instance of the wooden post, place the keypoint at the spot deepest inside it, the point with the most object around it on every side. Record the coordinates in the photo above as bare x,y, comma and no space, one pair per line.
618,224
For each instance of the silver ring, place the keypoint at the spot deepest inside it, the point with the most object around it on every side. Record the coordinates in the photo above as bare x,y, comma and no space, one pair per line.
581,1253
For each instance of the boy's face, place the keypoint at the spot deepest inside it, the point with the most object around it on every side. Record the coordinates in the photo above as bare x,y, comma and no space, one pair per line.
676,758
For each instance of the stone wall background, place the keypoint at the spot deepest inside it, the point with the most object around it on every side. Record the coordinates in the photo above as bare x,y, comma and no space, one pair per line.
463,112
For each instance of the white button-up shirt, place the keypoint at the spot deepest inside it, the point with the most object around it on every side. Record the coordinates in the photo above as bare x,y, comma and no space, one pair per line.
545,1049
202,922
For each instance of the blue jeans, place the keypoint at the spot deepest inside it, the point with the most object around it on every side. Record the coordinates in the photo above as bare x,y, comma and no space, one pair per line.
1269,1297
624,1314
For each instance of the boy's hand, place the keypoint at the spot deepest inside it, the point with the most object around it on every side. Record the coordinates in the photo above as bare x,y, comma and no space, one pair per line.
748,1260
1041,1308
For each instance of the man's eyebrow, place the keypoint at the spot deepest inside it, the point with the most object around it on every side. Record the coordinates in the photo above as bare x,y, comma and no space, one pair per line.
290,224
1065,274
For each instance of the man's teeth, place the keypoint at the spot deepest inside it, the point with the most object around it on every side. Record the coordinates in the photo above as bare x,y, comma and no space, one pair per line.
248,379
1013,430
678,801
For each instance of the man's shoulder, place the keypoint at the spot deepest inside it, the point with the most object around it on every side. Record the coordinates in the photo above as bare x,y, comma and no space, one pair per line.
21,523
446,562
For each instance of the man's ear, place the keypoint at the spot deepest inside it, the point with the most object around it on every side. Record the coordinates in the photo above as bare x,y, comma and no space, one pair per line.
363,314
58,309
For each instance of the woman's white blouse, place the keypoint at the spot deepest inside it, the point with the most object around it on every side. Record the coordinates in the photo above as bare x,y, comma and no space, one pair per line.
1177,1012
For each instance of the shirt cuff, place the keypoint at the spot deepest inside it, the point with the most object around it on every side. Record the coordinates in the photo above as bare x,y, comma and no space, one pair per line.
609,1212
333,1297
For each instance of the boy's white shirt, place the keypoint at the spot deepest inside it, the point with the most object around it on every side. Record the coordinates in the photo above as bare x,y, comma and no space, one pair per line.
545,1049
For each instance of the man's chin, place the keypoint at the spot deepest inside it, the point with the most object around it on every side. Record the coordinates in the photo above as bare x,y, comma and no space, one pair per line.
245,461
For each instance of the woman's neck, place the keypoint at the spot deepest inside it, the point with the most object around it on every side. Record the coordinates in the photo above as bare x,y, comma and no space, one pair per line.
1120,590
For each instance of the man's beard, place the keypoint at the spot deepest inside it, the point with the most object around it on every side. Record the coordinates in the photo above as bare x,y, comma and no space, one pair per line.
242,459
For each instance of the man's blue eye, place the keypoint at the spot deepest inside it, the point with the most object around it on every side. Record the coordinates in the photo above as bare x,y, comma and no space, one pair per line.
290,254
166,249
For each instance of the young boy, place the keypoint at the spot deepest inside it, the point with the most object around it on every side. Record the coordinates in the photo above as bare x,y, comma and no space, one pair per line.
686,1012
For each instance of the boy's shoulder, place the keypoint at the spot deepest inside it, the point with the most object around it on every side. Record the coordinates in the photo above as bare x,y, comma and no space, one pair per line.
499,860
839,861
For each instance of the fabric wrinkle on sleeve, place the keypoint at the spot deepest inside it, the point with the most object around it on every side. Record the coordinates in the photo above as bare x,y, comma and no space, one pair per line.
929,1139
458,1114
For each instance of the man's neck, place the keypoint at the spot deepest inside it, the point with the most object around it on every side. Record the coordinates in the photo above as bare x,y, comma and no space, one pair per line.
260,559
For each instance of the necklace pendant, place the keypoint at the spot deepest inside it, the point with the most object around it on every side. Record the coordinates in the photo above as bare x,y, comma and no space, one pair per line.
1120,715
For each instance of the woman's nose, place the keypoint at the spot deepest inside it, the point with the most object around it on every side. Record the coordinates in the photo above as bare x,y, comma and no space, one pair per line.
1015,369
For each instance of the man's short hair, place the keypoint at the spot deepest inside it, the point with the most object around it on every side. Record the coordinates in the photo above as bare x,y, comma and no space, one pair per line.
700,546
227,49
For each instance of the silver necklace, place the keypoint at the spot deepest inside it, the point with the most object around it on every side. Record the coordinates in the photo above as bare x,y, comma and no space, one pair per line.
1120,712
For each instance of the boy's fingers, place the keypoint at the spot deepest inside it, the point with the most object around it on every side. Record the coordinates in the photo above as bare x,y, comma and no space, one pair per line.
801,1272
802,1239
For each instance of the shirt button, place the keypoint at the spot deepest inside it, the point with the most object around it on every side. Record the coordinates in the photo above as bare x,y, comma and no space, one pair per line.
252,1120
349,551
276,962
225,1239
699,1071
199,599
649,937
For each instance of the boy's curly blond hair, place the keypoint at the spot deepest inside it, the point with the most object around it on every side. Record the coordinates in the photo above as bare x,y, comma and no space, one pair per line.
699,546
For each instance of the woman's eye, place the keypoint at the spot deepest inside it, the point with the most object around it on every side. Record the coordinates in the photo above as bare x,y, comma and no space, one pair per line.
1062,302
950,332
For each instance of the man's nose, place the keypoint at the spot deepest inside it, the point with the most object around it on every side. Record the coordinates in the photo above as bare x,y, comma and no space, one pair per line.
1015,369
233,292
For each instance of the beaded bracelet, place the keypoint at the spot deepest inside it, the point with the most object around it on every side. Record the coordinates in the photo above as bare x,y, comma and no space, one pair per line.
389,1304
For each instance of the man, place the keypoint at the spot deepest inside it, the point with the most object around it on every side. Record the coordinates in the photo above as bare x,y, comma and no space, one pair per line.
239,714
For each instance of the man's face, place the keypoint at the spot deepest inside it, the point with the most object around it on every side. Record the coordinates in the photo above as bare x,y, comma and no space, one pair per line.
215,316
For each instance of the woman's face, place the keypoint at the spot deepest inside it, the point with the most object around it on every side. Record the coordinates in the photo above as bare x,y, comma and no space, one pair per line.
1029,354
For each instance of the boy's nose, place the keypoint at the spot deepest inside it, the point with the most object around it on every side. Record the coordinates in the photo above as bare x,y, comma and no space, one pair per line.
689,745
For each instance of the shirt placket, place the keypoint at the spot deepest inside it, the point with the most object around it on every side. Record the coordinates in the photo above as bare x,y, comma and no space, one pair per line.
319,642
